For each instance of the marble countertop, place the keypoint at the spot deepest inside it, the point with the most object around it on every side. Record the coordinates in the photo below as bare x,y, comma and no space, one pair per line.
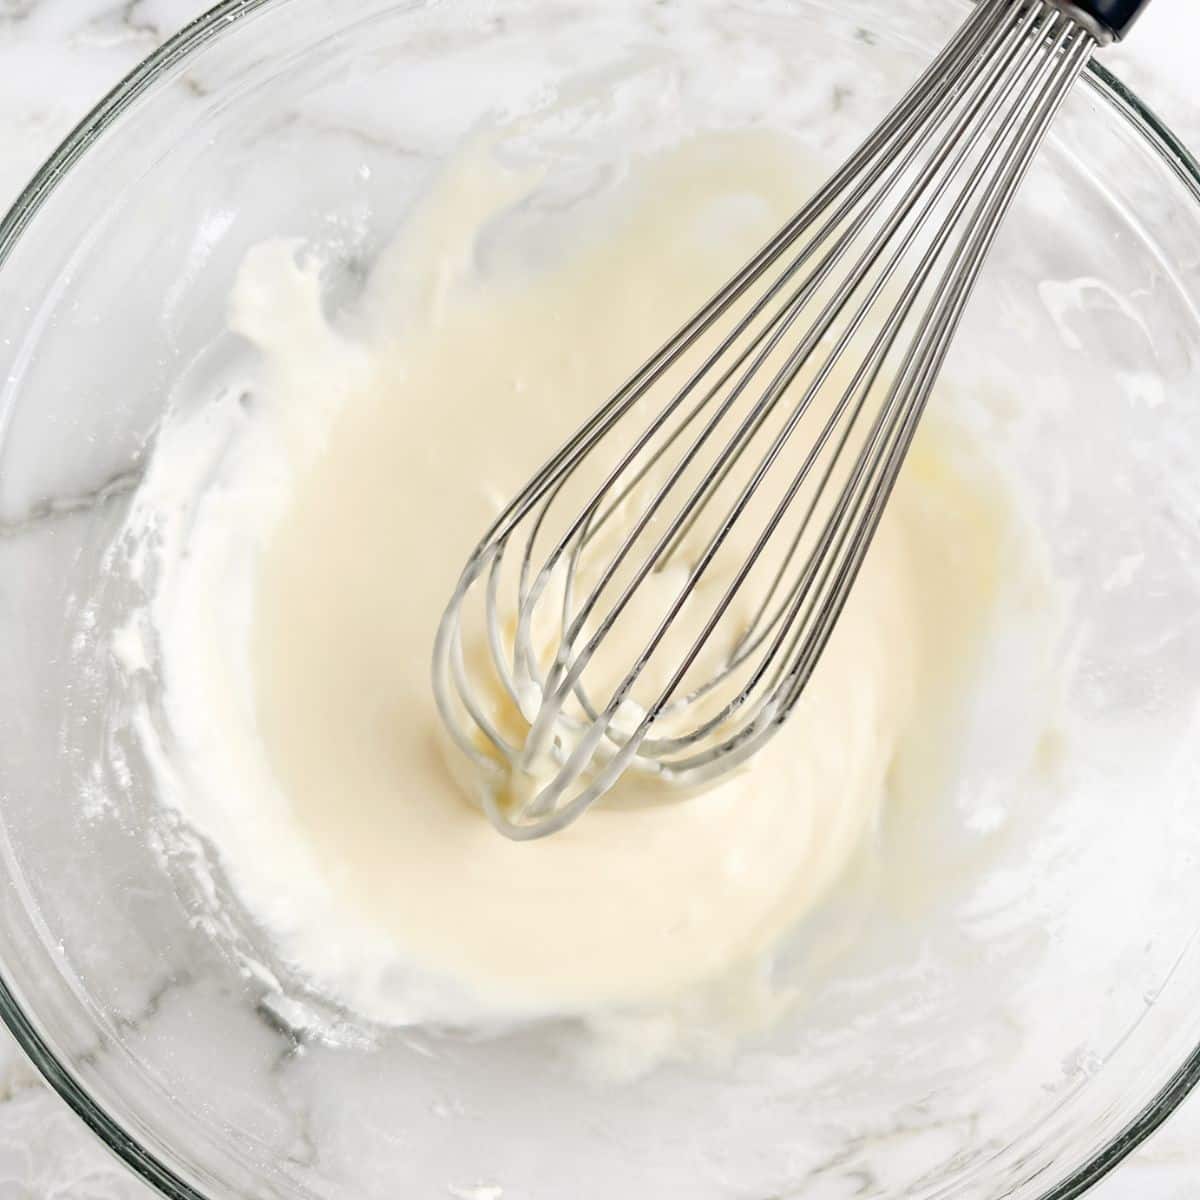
56,58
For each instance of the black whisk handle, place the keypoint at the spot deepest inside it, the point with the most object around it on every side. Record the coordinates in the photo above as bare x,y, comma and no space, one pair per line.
1115,16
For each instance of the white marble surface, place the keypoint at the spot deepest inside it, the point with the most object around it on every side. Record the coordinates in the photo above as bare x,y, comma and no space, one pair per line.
56,58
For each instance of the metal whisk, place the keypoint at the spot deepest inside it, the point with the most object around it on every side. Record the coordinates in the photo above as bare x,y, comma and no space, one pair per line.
756,448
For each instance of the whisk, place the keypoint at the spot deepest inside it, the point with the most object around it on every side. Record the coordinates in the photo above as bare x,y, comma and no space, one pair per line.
657,596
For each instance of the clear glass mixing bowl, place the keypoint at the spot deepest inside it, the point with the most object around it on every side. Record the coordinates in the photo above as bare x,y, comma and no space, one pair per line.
1015,1002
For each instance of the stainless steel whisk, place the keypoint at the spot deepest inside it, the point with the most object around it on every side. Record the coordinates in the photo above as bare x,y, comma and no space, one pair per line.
742,424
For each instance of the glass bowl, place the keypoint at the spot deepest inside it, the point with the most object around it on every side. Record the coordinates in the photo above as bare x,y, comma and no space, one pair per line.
1015,1002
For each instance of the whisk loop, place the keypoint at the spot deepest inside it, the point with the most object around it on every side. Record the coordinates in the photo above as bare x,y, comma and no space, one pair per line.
660,592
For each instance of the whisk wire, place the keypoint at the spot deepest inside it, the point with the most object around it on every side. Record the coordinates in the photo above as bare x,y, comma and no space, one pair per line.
931,184
558,686
837,520
754,419
916,378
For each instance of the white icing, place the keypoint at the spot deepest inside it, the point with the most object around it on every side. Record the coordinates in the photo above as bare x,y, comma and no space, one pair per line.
305,543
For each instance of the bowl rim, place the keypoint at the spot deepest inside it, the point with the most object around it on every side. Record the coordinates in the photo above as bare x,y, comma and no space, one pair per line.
146,1165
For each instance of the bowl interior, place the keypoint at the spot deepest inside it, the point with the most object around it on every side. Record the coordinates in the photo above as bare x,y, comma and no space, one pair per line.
1007,982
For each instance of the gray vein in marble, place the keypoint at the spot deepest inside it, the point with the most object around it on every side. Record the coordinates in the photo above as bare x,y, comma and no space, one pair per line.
851,1152
117,26
63,506
104,1043
195,86
20,1077
304,1150
13,12
352,133
155,1000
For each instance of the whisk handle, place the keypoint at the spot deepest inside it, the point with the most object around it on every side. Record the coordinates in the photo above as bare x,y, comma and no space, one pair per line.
1114,16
